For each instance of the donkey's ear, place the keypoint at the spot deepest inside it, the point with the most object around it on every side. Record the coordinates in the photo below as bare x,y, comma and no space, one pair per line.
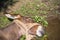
9,16
12,16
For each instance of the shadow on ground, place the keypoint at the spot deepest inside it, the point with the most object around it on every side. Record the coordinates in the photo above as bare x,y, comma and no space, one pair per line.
53,29
5,3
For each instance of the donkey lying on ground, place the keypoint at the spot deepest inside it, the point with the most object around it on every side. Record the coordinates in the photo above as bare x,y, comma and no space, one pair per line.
21,26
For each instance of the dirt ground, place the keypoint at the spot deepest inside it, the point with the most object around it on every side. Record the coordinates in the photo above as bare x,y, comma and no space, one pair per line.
53,29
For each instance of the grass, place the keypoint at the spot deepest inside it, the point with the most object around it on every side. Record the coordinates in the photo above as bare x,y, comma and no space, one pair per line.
41,20
3,21
33,9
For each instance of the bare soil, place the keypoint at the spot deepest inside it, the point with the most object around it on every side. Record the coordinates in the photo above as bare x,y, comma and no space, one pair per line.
53,29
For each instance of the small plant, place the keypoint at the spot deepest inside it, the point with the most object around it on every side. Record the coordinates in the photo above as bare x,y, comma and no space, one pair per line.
23,37
40,19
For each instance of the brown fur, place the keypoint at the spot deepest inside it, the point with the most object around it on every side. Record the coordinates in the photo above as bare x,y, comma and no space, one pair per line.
10,32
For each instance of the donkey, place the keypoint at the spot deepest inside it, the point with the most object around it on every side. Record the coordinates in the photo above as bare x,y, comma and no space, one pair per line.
21,26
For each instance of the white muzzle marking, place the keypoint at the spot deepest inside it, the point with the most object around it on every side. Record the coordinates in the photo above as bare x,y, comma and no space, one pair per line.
40,31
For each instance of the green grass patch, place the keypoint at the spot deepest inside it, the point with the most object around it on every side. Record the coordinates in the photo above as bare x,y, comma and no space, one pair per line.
3,21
